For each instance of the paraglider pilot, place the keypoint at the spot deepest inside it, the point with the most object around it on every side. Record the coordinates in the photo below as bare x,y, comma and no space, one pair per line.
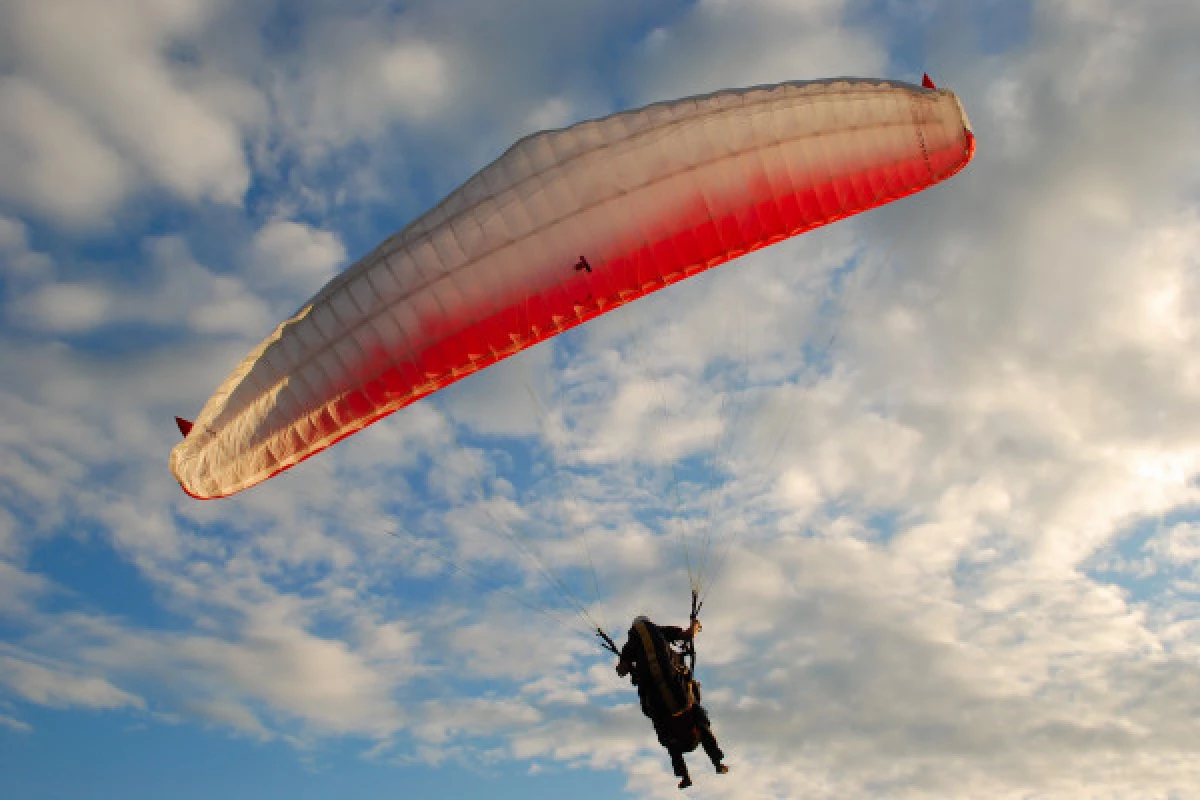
670,696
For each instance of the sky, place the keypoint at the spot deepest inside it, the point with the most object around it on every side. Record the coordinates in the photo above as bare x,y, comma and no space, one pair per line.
938,466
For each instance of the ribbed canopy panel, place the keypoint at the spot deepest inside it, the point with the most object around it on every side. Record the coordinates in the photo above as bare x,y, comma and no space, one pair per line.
563,227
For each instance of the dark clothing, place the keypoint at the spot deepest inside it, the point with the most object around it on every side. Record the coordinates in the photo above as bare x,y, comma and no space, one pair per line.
681,735
658,673
669,696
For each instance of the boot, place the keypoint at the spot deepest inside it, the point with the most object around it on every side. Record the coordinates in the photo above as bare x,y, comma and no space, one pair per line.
681,770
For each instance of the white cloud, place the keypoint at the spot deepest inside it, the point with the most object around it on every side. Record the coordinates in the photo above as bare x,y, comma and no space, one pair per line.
112,65
17,259
720,43
295,257
471,718
39,684
1178,545
177,292
15,724
319,681
229,714
68,307
357,77
910,603
18,589
414,76
51,159
554,112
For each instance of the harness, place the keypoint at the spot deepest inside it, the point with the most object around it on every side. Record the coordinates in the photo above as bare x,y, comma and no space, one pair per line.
672,688
670,681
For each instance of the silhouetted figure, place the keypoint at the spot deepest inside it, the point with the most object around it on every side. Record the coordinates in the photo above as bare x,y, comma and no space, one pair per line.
669,694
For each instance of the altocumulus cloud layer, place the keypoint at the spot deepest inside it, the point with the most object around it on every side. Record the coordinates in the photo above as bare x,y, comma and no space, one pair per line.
950,450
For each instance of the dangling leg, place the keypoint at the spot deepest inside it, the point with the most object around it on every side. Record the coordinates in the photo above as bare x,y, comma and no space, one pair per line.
662,729
708,741
680,767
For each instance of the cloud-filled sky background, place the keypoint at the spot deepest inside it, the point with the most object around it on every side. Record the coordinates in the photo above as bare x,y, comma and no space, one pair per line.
943,458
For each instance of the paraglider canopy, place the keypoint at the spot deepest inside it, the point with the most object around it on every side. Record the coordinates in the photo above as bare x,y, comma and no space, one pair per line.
565,226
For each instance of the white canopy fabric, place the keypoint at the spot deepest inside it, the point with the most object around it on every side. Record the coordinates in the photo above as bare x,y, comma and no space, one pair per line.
566,225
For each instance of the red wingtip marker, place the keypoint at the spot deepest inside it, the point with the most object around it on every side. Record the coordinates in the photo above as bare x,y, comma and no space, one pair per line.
927,81
185,427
